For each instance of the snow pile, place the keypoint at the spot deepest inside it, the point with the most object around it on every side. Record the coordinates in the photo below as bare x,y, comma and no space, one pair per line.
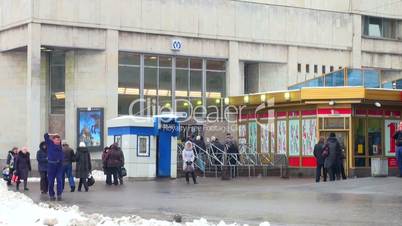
99,175
18,209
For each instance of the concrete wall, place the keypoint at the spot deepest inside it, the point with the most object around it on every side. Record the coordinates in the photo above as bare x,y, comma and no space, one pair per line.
269,74
14,12
12,100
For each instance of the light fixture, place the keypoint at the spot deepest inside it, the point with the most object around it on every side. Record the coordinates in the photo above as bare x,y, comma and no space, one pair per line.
60,95
287,96
377,104
331,103
227,100
218,101
246,99
167,105
199,102
185,104
263,98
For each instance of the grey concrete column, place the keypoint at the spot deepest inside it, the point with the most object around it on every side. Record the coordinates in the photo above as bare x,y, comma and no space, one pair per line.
70,101
235,84
33,104
357,42
112,74
292,66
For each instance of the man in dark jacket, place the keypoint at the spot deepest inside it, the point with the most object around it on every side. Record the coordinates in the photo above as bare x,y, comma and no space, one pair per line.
233,154
11,163
320,156
55,158
41,157
398,142
114,161
334,153
69,158
218,150
22,167
84,166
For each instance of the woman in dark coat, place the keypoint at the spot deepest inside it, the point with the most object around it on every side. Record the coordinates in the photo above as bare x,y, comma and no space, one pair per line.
114,161
22,168
83,167
41,157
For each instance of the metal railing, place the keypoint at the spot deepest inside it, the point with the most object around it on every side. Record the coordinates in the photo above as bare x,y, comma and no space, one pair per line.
213,159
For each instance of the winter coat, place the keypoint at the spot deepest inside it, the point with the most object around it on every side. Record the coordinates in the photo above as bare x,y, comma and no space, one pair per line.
318,150
11,159
104,158
83,159
54,152
115,158
22,165
398,138
41,157
334,152
188,156
69,156
199,144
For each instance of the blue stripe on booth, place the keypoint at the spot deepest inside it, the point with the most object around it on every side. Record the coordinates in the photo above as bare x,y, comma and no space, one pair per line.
127,130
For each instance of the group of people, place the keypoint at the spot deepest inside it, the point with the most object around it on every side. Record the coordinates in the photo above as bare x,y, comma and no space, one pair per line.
194,151
330,158
55,159
113,164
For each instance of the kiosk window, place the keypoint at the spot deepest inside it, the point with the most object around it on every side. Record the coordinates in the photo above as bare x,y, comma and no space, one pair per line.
143,146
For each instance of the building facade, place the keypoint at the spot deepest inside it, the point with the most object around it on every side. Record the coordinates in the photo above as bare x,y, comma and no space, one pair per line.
58,56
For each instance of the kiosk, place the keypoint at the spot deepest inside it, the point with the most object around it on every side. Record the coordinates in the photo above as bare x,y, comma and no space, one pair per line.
149,144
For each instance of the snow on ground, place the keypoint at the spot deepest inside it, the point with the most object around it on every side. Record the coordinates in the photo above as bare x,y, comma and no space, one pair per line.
16,209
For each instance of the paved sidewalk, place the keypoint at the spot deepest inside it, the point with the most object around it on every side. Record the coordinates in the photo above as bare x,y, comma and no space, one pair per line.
365,201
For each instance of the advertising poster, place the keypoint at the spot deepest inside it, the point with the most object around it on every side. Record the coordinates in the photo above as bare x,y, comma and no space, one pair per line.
252,136
90,127
294,135
271,126
390,128
281,137
264,138
309,136
242,131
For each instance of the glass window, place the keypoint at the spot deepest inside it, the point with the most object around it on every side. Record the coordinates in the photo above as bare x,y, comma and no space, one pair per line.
307,68
334,79
379,27
374,136
195,63
151,61
150,90
129,77
334,123
182,62
355,77
57,83
371,79
129,58
215,65
165,89
127,101
323,69
181,83
360,137
196,81
165,61
298,67
315,68
215,84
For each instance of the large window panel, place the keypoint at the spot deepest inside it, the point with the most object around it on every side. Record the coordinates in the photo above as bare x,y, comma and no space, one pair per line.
216,84
374,136
150,90
57,83
360,137
126,58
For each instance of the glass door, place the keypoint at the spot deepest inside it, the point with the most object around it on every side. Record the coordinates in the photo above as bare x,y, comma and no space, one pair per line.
343,139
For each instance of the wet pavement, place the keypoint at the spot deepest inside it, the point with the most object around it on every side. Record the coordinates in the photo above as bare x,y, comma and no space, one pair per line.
364,201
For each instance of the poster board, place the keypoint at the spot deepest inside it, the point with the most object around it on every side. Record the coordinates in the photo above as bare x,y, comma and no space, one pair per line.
90,127
309,136
294,137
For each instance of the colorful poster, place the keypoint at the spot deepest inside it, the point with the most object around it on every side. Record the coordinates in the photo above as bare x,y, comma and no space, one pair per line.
264,138
309,136
252,136
242,131
90,127
390,128
281,137
271,127
294,135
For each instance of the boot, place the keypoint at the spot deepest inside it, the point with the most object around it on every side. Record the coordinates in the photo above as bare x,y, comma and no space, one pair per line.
72,189
17,187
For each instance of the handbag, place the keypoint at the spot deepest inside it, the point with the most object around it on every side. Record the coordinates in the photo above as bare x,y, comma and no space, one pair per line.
6,173
15,178
123,172
91,180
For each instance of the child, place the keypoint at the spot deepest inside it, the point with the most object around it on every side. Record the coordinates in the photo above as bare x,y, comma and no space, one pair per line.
22,167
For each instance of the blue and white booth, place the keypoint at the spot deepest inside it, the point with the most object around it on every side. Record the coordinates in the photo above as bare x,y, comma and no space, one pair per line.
149,144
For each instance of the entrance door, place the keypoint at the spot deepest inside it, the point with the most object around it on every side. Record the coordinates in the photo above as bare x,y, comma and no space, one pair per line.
343,139
164,154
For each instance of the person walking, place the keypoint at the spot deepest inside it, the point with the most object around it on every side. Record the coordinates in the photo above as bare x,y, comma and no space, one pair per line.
105,167
188,161
69,158
200,148
114,161
22,167
398,143
41,157
320,153
55,158
83,167
334,152
233,153
11,163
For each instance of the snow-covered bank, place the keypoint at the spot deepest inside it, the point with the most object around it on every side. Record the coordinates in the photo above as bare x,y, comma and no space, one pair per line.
16,209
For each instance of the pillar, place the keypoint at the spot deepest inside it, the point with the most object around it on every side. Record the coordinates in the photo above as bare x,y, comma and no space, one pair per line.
357,41
70,101
33,103
233,79
112,74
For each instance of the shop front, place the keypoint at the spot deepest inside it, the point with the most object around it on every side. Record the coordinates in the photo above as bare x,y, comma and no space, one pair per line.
363,120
